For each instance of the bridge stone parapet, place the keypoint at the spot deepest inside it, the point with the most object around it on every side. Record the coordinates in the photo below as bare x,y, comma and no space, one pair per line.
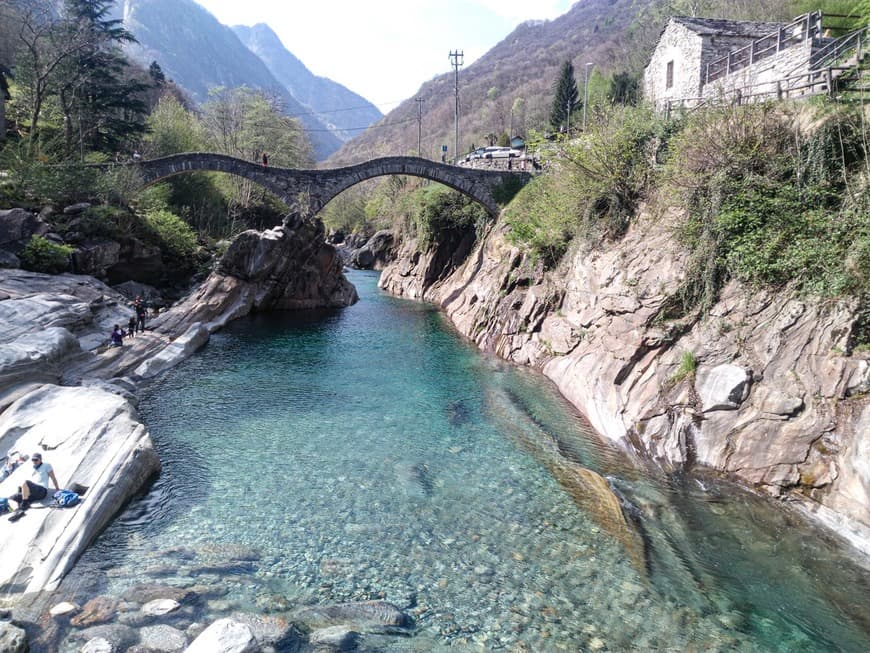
308,191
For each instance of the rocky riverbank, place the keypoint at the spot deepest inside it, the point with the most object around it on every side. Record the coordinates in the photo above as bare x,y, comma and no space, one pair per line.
767,388
63,391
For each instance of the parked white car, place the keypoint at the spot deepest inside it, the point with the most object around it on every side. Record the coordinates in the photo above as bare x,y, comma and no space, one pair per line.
501,153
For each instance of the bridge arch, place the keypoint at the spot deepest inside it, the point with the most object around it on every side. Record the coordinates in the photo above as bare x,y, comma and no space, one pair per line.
308,191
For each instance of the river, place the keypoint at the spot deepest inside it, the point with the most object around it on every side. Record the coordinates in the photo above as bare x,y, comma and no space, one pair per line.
372,453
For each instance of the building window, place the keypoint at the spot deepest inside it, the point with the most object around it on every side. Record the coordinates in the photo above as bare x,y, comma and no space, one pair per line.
669,80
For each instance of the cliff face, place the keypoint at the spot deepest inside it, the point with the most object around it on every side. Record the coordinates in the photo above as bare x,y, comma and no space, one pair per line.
760,388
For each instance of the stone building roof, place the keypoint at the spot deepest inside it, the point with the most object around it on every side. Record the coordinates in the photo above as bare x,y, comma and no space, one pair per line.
720,27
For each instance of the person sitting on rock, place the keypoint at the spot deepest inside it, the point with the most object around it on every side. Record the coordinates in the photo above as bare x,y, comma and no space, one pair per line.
36,487
131,327
117,336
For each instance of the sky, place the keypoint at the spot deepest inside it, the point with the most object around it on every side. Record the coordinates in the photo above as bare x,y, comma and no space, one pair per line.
385,49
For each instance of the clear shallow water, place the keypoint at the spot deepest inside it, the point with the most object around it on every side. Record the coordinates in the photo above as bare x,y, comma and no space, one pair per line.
371,453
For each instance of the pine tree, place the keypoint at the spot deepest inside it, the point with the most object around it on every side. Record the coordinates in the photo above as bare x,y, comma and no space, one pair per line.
565,96
99,96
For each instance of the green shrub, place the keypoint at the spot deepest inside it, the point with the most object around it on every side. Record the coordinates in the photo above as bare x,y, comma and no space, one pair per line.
42,255
171,233
106,222
769,204
686,369
544,215
594,185
441,209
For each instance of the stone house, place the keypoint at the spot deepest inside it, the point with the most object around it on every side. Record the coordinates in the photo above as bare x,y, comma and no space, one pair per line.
703,60
676,69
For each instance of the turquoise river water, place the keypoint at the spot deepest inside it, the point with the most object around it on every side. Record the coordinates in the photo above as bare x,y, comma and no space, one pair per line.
372,453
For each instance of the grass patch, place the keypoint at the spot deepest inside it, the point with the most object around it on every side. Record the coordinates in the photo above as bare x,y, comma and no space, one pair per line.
686,369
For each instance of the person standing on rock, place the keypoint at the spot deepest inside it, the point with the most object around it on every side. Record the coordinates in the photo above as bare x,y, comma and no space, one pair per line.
140,309
131,326
34,488
265,160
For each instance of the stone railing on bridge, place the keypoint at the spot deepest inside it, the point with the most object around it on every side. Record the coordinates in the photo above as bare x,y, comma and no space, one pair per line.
308,191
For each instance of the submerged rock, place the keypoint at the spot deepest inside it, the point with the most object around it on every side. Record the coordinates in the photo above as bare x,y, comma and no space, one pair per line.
12,638
225,636
366,616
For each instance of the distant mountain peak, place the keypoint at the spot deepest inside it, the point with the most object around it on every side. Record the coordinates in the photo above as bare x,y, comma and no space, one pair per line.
333,103
199,53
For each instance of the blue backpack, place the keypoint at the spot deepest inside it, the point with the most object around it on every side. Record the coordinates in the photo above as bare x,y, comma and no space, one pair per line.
4,505
65,498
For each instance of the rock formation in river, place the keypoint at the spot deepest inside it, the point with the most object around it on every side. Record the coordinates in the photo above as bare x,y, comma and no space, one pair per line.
288,267
777,398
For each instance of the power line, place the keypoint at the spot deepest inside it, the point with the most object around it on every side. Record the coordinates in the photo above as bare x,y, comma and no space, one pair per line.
347,129
362,106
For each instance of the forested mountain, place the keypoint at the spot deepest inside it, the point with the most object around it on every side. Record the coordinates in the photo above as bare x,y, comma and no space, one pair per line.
199,53
510,88
335,105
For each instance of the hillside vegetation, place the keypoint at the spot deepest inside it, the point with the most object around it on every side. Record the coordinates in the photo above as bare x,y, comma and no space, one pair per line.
767,194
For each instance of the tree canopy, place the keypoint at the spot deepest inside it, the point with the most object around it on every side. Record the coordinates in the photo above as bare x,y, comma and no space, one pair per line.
565,96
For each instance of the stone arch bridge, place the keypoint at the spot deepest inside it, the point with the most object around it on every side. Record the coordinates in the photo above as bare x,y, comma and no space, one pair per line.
308,191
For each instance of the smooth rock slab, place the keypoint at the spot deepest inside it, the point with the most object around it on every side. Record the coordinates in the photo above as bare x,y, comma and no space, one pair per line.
36,356
723,387
90,437
178,350
225,636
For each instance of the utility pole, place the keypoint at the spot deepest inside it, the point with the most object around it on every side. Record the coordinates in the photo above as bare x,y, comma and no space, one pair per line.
586,93
456,60
419,102
568,120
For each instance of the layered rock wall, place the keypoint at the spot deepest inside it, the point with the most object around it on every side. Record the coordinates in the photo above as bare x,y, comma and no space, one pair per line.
760,388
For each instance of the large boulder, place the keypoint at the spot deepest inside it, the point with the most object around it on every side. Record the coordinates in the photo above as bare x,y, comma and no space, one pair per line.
285,268
723,387
9,260
17,226
376,253
95,257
